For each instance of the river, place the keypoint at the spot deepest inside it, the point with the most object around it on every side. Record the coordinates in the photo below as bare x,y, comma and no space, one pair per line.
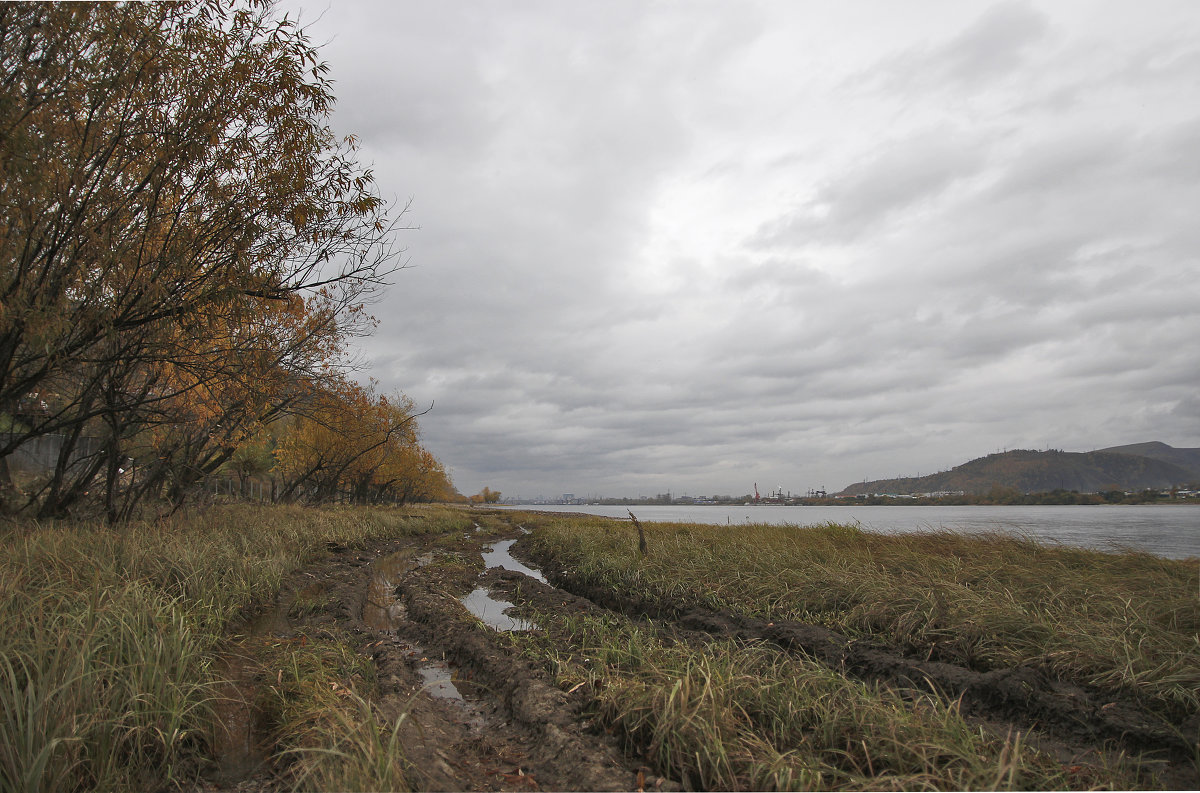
1171,531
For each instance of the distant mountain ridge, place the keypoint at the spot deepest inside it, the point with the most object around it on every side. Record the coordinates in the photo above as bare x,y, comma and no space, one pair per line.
1134,467
1188,459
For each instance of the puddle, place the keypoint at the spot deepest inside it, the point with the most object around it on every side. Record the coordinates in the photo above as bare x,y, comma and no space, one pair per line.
381,609
481,603
439,681
499,556
437,677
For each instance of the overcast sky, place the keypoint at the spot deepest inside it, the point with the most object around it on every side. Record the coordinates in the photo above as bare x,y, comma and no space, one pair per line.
698,245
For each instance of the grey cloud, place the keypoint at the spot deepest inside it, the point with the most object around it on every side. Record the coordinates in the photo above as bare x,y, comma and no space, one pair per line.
898,176
775,276
1188,409
1065,163
395,88
983,270
994,46
1173,152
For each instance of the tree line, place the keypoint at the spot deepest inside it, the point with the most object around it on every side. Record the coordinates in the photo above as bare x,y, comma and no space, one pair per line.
186,251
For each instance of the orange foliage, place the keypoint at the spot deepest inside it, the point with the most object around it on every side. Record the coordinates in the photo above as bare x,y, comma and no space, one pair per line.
353,443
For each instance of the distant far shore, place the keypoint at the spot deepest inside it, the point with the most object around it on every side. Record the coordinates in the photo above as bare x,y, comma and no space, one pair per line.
997,497
1150,528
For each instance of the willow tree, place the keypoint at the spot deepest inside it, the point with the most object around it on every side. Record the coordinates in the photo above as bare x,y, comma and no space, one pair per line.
182,237
349,441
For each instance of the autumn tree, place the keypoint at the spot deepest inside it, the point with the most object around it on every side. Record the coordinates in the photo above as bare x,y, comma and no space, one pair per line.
184,243
411,474
486,496
253,458
347,441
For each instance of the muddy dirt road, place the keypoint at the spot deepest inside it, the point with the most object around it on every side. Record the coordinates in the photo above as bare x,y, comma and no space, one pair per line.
478,717
431,613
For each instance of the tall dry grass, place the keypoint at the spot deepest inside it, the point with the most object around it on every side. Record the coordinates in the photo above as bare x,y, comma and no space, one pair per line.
1120,621
108,636
731,715
329,734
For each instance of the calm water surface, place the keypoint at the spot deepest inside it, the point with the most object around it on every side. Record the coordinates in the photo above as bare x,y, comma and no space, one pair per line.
1172,531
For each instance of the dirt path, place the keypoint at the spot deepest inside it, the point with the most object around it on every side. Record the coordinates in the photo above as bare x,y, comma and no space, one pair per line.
479,717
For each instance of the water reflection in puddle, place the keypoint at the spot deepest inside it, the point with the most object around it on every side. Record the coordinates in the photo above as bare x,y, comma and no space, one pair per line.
437,679
481,603
499,555
381,609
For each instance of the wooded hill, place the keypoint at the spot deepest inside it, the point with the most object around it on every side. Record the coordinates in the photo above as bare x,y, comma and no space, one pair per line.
1133,467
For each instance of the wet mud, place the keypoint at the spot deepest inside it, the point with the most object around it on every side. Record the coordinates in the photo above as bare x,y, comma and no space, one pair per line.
476,716
433,614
